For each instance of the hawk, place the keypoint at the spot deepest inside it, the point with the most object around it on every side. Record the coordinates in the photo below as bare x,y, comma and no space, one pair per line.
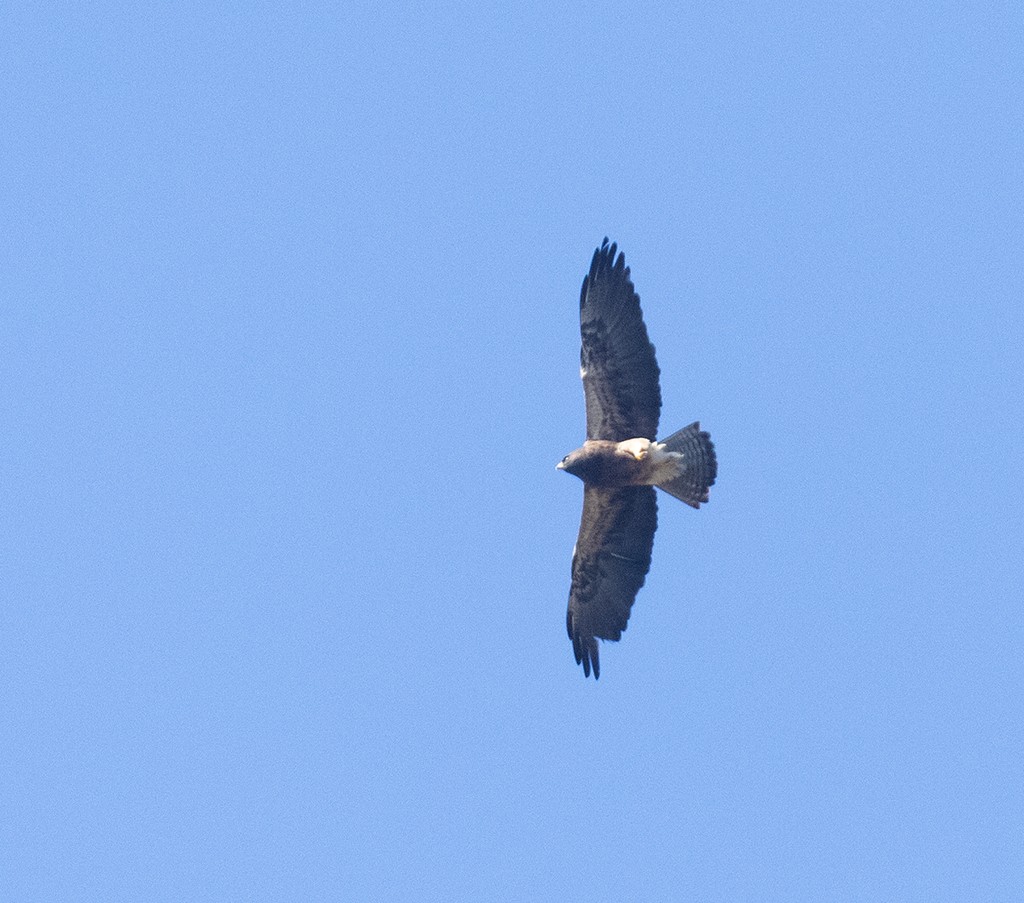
621,462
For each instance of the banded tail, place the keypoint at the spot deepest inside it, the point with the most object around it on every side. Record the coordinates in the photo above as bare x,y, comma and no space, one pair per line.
699,465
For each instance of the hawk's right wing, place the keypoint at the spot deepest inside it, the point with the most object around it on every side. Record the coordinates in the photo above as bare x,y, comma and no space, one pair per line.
609,564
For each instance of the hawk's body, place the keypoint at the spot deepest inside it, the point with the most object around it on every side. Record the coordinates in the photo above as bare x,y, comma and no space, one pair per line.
633,462
620,463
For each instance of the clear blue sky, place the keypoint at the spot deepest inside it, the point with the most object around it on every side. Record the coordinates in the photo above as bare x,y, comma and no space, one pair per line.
288,353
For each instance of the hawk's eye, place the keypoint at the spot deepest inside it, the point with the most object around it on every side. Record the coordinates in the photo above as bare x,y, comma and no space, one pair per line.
566,458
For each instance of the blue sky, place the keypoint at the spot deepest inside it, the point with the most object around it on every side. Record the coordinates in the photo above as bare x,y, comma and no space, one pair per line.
288,316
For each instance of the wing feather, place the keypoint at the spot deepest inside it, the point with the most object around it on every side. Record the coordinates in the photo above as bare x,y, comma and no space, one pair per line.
617,362
609,565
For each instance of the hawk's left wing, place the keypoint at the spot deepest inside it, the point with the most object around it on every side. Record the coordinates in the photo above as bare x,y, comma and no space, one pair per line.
612,556
620,372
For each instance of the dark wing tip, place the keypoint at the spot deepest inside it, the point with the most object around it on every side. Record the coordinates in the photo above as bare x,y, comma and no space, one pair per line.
584,648
603,262
604,258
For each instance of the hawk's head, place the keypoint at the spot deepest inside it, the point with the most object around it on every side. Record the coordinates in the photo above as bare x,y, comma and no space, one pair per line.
576,463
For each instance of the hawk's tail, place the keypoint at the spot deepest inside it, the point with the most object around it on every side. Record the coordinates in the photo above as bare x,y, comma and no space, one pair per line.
699,465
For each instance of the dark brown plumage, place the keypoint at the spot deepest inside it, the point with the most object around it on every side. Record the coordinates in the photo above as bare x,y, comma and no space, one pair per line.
621,462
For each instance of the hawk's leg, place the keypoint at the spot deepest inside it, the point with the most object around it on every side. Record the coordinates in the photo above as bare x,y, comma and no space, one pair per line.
637,448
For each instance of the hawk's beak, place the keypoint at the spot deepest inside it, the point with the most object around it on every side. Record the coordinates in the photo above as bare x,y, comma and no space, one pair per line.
560,465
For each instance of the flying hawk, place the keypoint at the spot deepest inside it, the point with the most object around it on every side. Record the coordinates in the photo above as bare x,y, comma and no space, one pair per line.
621,462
